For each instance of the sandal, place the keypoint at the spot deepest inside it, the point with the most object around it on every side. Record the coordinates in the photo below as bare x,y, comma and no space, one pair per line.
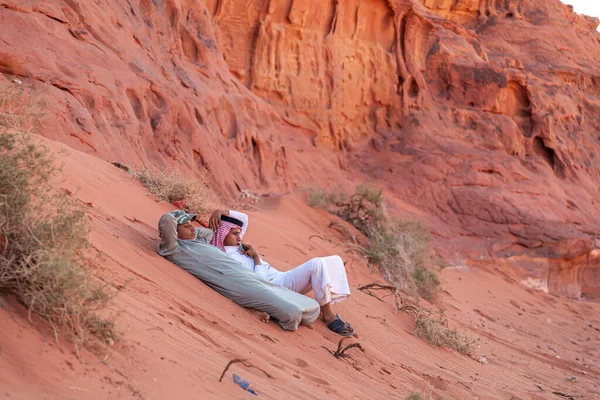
346,323
340,327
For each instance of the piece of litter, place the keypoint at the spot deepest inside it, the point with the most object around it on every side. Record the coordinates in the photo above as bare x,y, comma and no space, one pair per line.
512,330
482,359
243,384
17,81
558,357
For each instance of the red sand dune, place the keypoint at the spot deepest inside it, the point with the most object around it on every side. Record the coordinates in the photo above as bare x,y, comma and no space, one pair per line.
178,335
479,117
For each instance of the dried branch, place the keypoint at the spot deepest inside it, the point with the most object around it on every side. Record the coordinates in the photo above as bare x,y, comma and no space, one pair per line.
245,364
296,247
400,302
340,352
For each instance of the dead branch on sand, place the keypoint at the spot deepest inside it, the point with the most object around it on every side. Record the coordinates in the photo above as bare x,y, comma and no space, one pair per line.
401,303
296,248
246,364
567,395
340,352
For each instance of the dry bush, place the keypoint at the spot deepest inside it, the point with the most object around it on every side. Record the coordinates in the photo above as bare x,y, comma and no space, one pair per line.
433,328
400,249
402,252
173,186
364,209
420,396
42,232
318,198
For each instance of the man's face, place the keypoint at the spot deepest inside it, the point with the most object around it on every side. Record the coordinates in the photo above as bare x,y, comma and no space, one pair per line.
233,237
186,231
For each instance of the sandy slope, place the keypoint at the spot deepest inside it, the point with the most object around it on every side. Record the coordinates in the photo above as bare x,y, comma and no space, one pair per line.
177,334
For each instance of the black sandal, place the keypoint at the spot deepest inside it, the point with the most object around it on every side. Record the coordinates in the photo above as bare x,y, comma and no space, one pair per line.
340,327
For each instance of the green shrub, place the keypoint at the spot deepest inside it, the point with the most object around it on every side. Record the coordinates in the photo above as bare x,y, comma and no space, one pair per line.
42,232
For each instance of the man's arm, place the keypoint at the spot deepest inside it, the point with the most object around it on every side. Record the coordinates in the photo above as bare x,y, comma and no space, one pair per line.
204,235
167,227
215,219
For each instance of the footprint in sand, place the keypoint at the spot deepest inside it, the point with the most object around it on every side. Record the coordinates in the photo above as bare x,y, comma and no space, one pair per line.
301,363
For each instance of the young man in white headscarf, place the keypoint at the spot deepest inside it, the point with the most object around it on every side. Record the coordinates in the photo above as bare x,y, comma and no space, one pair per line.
326,276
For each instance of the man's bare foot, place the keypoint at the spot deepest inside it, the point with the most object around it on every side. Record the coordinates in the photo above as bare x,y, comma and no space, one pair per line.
264,317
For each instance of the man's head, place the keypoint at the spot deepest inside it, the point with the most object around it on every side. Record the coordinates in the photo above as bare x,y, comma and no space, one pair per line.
233,238
229,233
185,228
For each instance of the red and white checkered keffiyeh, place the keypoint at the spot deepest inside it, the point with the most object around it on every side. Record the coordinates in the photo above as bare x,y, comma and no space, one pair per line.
219,236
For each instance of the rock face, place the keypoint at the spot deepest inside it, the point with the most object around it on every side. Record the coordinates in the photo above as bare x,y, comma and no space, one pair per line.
481,116
141,82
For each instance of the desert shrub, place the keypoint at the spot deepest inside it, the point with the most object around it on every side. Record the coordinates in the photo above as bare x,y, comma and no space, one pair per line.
400,249
172,186
318,198
364,209
433,328
42,232
420,396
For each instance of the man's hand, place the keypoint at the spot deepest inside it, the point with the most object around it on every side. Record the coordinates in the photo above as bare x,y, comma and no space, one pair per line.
250,252
214,222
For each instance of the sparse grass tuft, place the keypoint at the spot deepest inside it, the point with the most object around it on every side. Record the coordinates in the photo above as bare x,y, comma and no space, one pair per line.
173,186
43,232
433,328
322,199
402,252
420,396
400,249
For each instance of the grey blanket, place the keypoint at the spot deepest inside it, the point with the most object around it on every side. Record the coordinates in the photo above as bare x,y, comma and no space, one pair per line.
231,279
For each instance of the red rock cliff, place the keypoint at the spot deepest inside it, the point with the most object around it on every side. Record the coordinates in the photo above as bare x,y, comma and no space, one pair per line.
482,116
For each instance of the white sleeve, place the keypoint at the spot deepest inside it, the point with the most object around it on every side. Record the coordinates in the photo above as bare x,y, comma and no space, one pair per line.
242,217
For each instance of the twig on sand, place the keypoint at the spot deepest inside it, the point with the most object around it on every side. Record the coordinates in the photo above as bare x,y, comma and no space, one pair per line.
296,247
380,319
318,236
566,395
246,364
334,243
340,352
400,302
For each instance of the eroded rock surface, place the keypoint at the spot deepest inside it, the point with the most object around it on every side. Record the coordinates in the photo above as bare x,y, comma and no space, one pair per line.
481,116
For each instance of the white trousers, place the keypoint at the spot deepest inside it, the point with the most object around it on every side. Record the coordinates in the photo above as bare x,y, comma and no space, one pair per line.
326,276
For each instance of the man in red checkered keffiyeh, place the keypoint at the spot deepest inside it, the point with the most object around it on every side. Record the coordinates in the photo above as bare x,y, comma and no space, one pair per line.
326,276
227,224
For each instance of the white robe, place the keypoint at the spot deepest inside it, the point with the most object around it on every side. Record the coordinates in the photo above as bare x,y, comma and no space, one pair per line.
326,276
